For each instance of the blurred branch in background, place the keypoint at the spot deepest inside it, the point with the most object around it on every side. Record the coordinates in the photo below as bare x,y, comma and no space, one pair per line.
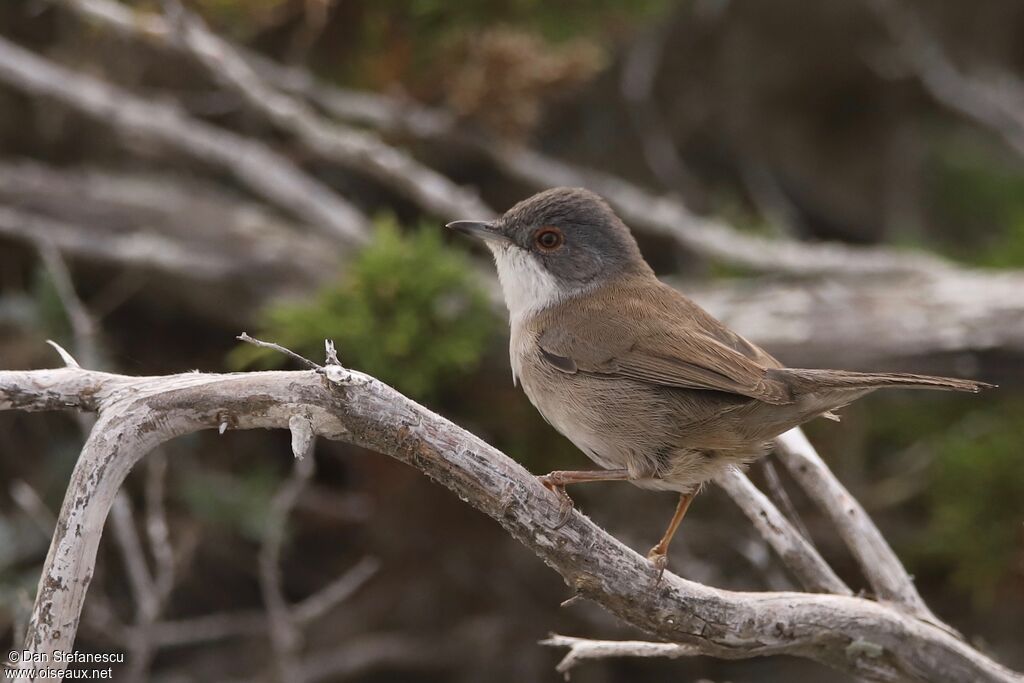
350,148
150,590
284,632
863,320
856,323
641,209
873,321
267,173
993,100
167,226
639,71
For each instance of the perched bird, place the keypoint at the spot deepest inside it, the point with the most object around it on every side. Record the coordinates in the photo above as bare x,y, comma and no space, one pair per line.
650,386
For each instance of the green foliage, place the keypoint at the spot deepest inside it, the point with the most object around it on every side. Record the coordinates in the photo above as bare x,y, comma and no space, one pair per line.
975,494
51,318
980,198
969,532
408,310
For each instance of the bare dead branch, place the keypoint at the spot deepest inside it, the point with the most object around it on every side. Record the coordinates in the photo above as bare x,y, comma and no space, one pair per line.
145,593
265,172
351,148
161,222
583,649
143,588
336,592
149,251
636,84
883,569
285,636
219,626
777,492
869,321
853,634
795,551
640,208
157,531
995,103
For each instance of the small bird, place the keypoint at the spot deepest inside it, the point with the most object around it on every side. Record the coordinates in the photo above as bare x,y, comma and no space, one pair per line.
650,386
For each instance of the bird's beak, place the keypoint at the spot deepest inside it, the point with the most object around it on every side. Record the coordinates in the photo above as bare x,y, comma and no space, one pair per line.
484,230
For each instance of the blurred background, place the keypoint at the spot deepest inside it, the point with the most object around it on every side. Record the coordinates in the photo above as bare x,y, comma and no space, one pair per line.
170,177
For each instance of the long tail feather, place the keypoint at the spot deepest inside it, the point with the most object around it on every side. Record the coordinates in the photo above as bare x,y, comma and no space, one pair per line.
811,380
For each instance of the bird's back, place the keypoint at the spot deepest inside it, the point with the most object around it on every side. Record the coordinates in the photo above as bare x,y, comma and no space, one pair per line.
640,377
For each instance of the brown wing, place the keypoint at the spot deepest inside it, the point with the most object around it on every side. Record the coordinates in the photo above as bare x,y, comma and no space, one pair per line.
654,334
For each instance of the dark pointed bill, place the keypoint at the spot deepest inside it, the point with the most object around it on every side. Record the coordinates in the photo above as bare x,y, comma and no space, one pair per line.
483,230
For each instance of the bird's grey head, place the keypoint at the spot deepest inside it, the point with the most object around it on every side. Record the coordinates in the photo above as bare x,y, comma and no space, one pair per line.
554,245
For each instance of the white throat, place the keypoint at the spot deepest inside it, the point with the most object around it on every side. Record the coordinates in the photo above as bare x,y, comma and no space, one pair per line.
527,286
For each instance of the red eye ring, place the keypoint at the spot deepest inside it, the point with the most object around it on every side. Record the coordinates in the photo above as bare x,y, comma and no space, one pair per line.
549,239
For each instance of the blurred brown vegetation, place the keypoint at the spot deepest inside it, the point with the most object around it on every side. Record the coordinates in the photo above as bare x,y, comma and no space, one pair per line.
792,118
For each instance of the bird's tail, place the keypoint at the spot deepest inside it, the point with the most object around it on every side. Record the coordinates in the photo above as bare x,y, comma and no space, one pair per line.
804,380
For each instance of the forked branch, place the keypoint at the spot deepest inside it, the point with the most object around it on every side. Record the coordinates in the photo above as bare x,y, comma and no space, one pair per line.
866,638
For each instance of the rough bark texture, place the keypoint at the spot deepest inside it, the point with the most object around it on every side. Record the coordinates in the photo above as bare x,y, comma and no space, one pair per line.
792,548
853,634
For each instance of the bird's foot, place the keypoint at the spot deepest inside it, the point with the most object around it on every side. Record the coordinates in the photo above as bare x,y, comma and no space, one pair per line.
565,504
658,557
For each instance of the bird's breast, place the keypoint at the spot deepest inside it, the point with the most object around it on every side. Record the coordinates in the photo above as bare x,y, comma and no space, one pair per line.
586,410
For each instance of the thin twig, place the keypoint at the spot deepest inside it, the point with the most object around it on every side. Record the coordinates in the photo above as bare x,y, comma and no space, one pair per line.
285,635
157,531
778,493
140,580
336,592
280,349
584,649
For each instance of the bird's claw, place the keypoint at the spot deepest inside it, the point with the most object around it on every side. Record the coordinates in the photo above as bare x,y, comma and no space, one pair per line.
659,561
565,504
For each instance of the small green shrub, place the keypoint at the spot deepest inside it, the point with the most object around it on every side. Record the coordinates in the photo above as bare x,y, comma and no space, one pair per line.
408,310
977,197
977,485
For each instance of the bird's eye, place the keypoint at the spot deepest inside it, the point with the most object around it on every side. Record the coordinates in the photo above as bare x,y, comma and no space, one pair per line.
549,239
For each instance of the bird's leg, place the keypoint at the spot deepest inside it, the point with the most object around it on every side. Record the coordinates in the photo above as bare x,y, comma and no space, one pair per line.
658,555
557,481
